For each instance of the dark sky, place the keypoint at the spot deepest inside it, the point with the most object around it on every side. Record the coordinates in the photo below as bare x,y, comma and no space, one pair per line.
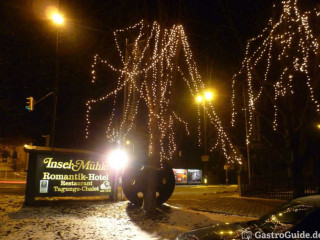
217,31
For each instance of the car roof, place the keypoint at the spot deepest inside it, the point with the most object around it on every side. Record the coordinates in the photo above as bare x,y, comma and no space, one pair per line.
314,200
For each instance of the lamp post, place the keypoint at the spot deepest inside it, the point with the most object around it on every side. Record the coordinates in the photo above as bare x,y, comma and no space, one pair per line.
207,96
118,159
58,20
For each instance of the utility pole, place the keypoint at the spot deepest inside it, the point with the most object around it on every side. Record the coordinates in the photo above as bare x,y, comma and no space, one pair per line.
205,135
58,21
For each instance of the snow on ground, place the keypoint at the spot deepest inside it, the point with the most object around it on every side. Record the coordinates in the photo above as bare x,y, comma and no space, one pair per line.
97,220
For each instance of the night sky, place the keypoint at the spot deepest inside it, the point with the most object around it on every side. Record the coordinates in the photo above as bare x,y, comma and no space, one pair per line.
217,31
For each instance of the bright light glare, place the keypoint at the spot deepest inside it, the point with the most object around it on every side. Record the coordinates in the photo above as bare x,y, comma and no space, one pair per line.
318,125
199,99
208,95
128,142
57,18
118,159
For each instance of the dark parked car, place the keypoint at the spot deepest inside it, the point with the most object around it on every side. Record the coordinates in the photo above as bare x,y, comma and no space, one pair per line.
293,220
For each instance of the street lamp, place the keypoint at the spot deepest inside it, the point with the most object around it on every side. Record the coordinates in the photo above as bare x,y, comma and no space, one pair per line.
118,159
58,20
207,96
199,99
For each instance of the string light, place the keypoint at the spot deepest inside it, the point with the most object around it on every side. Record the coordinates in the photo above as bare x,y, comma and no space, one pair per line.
296,45
148,73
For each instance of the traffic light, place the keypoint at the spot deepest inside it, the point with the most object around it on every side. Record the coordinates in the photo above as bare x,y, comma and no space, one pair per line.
30,103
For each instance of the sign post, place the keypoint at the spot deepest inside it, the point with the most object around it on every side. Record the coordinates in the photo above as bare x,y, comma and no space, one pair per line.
205,158
56,172
227,167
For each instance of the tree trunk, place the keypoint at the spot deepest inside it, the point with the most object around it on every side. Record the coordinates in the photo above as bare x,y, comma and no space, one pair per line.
299,153
149,197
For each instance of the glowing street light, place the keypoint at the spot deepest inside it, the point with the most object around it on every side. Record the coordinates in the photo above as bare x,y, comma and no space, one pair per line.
208,95
199,99
57,18
318,125
118,159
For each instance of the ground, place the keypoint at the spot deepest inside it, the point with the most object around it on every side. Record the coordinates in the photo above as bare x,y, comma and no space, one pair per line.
221,199
110,220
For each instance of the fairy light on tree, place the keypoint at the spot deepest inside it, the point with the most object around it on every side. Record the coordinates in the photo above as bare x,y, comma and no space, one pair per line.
150,70
279,64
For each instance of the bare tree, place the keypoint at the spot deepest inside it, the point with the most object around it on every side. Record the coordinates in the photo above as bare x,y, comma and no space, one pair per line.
279,73
157,63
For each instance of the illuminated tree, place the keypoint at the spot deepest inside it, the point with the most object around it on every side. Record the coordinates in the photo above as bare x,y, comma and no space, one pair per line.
280,68
158,61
